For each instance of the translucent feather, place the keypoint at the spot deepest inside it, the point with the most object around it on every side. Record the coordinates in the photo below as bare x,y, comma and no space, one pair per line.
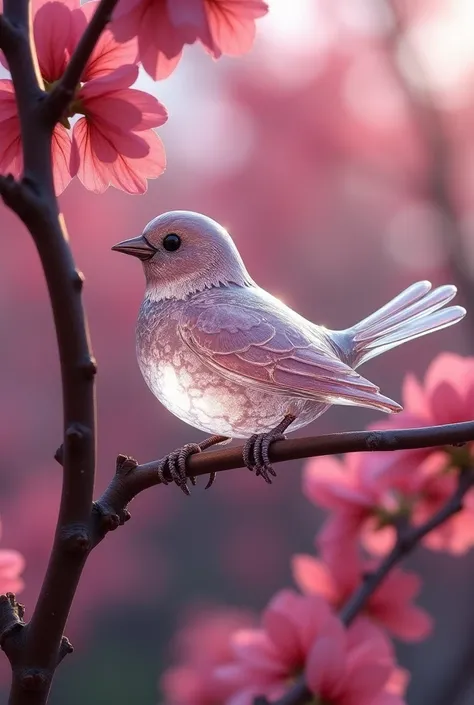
414,312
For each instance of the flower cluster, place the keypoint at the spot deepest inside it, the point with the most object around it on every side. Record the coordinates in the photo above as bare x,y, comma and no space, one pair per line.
106,136
350,660
368,494
163,27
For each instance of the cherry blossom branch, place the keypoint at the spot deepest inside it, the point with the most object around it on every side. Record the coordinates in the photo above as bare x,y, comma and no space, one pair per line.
62,94
407,539
131,478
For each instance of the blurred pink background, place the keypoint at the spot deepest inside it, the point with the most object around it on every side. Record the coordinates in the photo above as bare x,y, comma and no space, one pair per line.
340,185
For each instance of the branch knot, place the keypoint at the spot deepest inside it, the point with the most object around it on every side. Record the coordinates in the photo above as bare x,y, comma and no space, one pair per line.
75,538
35,679
125,464
11,616
89,367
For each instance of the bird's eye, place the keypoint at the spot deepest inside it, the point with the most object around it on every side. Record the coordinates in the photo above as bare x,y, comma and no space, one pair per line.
172,242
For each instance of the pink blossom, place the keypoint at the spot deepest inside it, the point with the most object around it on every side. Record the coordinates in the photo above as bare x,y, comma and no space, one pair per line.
427,477
202,644
356,505
446,396
366,492
338,573
12,564
113,143
301,635
163,27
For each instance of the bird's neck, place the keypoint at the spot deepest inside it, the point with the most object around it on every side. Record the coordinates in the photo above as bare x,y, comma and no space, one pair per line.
184,287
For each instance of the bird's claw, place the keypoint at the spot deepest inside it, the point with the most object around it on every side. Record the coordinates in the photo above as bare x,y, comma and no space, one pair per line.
256,449
172,468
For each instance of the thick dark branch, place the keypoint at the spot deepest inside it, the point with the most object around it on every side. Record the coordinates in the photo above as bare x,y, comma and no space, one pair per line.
130,478
42,646
408,538
60,97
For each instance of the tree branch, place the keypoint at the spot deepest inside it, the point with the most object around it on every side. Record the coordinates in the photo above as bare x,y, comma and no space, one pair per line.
36,648
131,478
62,94
407,539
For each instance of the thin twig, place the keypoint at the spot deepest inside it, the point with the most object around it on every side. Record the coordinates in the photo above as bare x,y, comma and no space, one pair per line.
62,94
407,539
131,478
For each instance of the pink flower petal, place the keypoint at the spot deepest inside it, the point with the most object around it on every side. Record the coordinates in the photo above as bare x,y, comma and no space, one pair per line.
292,615
232,25
377,541
414,397
159,43
330,484
125,7
126,109
52,30
313,577
410,623
11,155
369,663
111,110
256,650
131,175
108,54
281,628
155,62
187,13
125,173
398,681
153,113
8,107
12,565
122,77
325,664
91,171
449,366
61,155
339,529
447,404
343,562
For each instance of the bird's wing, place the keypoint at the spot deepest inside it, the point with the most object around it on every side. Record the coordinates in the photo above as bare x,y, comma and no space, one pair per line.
269,347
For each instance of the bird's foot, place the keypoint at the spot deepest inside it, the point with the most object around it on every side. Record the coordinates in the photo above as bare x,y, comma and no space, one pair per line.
172,468
256,448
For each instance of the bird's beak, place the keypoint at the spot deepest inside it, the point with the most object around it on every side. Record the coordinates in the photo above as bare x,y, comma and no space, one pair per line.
137,247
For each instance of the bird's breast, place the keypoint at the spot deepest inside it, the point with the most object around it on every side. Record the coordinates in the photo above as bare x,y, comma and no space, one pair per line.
201,396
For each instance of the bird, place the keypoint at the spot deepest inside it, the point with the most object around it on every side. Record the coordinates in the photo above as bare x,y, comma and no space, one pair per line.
228,358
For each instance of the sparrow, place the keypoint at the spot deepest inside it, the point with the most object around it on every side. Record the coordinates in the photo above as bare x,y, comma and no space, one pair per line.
228,358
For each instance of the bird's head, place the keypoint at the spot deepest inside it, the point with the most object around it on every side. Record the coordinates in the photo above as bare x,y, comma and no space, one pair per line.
183,252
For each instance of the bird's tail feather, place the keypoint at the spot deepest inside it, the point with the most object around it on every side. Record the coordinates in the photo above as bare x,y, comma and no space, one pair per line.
414,312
